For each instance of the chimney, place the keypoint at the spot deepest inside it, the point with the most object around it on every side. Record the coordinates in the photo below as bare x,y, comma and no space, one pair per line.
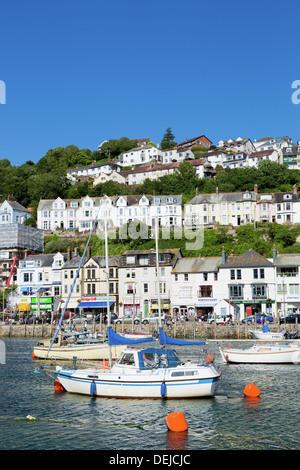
295,189
255,188
76,251
223,255
69,254
89,252
217,190
197,191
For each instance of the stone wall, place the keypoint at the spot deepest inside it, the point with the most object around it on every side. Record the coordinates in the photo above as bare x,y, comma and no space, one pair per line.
187,330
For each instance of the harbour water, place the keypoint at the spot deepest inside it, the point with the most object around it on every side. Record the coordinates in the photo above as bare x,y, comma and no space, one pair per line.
229,421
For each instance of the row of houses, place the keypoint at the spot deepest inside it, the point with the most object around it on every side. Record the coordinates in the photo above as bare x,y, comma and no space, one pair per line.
204,210
149,161
198,286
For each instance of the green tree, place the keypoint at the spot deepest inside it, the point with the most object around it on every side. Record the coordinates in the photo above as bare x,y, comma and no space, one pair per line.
168,140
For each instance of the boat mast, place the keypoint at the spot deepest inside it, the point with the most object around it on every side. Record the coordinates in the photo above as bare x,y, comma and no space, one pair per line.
107,277
158,273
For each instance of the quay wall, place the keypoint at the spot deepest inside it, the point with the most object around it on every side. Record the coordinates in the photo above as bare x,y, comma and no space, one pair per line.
181,330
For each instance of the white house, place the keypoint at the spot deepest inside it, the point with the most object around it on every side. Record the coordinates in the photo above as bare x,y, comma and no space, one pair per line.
176,155
139,156
223,208
39,281
138,281
237,145
268,143
194,287
93,171
81,213
11,212
270,154
248,281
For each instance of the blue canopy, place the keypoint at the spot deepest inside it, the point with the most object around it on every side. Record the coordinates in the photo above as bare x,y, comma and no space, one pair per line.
115,339
95,304
164,339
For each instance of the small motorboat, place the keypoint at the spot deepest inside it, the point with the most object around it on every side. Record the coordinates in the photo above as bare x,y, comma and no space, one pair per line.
262,354
265,334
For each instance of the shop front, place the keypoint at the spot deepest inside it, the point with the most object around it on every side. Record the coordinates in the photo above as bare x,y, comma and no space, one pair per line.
97,305
204,307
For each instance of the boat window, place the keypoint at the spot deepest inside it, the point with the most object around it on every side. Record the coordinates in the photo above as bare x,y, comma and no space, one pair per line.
186,372
128,359
191,372
150,359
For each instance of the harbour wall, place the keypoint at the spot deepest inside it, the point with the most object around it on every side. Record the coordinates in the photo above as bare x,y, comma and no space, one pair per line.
182,330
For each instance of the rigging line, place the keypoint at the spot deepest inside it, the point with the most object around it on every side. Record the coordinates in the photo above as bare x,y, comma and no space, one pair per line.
73,285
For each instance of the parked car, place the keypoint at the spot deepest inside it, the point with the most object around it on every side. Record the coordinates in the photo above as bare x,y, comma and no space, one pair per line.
127,319
292,318
113,316
78,320
220,319
154,318
260,318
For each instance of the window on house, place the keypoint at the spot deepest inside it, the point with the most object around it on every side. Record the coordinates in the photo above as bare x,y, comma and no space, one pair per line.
205,291
236,291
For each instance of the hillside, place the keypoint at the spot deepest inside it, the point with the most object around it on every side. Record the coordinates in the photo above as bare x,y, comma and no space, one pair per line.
261,239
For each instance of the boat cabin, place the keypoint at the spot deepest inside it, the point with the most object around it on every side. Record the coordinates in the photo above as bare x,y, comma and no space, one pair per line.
150,358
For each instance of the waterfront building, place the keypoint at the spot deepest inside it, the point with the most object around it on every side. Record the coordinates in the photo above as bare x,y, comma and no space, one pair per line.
194,286
248,281
39,281
287,278
138,281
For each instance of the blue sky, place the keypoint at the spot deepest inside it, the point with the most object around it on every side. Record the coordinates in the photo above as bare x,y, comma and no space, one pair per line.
81,72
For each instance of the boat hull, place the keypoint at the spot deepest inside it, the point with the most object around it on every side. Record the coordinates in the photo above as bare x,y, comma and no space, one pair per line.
158,384
260,335
262,355
83,352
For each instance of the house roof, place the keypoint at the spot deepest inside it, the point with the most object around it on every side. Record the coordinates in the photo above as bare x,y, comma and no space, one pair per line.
248,259
215,198
261,153
195,265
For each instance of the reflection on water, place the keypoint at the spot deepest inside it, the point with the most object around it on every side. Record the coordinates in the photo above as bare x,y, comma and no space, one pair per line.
228,421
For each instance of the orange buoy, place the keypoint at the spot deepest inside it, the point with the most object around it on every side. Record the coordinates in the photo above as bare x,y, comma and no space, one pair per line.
251,390
58,387
210,358
33,355
176,422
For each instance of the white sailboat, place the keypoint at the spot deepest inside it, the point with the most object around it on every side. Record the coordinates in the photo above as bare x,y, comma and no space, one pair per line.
79,344
142,373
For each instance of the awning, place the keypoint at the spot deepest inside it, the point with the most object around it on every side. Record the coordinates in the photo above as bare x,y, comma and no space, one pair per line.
95,304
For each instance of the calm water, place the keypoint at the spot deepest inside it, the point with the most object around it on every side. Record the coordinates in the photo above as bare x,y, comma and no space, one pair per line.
228,421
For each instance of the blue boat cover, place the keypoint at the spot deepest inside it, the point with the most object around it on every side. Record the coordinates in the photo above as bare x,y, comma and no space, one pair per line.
115,339
158,358
265,328
164,339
